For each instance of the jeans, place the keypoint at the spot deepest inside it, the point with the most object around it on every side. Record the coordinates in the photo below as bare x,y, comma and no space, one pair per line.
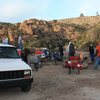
97,62
20,46
92,57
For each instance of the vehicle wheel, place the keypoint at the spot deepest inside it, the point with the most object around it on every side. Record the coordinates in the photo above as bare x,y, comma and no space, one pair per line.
69,71
26,88
78,71
64,66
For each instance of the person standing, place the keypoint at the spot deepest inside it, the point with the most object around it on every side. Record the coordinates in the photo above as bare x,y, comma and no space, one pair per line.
20,42
33,60
91,51
61,50
5,40
25,54
70,49
97,54
67,49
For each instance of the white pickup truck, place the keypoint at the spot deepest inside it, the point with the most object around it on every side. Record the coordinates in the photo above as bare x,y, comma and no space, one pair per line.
14,72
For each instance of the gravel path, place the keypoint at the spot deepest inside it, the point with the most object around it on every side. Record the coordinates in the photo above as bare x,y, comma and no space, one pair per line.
52,82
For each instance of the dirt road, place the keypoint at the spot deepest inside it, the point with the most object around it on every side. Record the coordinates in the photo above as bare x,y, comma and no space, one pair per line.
53,83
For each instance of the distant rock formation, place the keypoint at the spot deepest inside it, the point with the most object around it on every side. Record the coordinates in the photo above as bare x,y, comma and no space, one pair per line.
48,31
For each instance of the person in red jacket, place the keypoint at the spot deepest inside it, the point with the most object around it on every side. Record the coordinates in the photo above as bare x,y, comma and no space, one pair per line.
97,54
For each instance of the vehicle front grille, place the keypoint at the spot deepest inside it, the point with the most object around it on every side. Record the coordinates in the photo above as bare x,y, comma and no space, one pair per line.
11,75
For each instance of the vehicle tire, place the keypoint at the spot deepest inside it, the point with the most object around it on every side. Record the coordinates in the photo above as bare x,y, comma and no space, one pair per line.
78,71
26,88
64,66
69,71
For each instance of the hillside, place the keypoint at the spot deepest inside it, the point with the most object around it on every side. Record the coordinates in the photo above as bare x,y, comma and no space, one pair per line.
91,20
81,30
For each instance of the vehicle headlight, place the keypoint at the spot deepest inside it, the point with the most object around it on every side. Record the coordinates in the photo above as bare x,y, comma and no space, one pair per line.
69,62
78,65
27,72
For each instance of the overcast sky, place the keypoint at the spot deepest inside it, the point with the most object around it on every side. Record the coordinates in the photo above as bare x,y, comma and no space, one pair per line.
19,10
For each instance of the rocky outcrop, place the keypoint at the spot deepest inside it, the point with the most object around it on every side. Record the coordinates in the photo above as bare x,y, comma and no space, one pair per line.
33,29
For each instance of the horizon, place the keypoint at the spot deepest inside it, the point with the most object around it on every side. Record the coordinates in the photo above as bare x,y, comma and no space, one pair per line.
44,19
14,11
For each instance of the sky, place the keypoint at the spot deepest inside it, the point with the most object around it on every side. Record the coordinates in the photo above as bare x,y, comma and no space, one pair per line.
14,11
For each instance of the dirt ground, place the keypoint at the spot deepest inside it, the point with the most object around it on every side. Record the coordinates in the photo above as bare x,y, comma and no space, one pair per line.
52,82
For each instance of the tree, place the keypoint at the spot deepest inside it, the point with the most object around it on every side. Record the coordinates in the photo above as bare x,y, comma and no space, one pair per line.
97,13
81,15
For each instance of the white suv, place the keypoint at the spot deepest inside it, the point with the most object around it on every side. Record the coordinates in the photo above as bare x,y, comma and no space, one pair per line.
13,70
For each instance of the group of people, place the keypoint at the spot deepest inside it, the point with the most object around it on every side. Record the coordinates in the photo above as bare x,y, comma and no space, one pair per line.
6,40
94,53
34,57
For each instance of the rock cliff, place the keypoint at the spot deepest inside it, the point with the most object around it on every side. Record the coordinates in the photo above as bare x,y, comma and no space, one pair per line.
39,32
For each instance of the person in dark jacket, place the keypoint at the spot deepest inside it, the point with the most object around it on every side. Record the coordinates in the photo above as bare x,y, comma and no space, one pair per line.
71,49
25,53
61,50
91,51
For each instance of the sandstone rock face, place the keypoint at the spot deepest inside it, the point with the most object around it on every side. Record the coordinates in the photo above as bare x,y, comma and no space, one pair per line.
32,29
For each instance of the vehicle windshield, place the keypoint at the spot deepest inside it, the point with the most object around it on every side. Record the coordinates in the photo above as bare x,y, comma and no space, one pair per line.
8,52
